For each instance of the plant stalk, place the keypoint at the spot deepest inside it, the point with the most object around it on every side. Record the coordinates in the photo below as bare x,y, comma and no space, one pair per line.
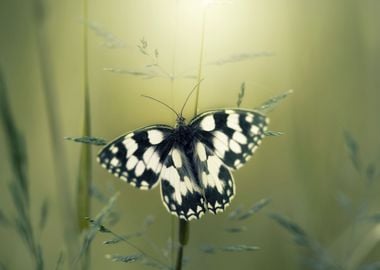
85,166
84,176
66,207
183,237
200,64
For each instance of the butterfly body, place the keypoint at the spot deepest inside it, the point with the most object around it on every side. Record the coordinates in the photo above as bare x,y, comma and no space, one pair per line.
193,162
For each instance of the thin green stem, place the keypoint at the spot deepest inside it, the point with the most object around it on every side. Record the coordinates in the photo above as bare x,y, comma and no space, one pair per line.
66,207
19,186
200,64
183,234
84,174
85,165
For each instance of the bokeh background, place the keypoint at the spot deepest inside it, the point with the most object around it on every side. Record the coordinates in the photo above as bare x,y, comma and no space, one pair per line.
321,176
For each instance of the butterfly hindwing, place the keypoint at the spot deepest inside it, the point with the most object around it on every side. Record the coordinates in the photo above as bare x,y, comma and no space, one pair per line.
180,191
216,179
233,135
138,156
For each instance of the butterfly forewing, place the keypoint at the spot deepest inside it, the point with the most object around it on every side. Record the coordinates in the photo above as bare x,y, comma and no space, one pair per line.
233,135
180,190
137,157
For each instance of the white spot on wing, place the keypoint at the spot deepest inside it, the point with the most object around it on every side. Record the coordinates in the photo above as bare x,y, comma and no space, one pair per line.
144,184
114,149
249,118
219,210
214,164
235,147
254,129
148,154
131,146
233,122
221,136
201,151
237,163
189,185
131,163
176,156
239,137
155,136
154,163
115,162
192,217
220,148
172,176
140,167
208,123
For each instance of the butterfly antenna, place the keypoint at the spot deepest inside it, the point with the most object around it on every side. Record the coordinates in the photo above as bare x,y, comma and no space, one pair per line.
159,101
189,95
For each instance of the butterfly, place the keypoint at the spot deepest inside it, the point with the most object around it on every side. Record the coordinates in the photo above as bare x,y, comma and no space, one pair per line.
192,161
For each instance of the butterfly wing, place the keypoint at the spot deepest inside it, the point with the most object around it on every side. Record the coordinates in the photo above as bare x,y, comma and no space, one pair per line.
232,135
138,156
180,190
224,141
216,179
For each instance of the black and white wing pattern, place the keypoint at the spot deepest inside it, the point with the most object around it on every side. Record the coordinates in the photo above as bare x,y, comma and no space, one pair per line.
225,140
232,135
216,179
138,156
180,189
193,162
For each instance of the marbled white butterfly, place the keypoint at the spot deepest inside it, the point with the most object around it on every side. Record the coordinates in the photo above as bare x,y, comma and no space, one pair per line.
193,162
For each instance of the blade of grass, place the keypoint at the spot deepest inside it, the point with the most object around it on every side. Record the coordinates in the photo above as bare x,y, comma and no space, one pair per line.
84,173
270,104
87,140
15,141
65,202
19,186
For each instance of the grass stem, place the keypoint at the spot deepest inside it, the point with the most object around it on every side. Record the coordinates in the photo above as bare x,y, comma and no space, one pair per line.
65,202
183,236
85,167
200,64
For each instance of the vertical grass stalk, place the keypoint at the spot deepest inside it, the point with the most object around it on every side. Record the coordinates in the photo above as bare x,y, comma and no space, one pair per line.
184,233
18,187
84,175
85,167
200,64
65,202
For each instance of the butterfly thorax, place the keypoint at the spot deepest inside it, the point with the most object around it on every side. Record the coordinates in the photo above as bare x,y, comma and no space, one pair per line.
183,136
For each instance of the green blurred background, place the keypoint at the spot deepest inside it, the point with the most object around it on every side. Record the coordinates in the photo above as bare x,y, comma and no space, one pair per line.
328,52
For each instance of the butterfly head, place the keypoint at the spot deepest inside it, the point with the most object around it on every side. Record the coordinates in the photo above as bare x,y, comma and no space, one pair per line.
181,121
